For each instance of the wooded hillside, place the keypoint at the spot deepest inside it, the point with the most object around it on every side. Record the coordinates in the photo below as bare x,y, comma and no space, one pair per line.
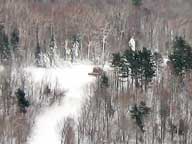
153,24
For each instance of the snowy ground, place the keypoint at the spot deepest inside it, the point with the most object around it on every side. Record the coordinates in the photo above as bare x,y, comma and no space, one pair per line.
73,79
1,68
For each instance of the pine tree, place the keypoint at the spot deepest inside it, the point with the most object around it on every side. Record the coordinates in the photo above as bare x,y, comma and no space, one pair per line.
15,39
5,52
136,2
181,58
188,58
130,58
133,61
124,68
14,45
22,102
119,62
147,66
141,64
158,60
138,113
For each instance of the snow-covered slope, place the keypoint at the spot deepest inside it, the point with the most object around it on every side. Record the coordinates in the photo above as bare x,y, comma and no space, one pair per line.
74,79
1,68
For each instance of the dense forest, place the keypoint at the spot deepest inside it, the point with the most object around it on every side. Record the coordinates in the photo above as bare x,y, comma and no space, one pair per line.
143,97
153,24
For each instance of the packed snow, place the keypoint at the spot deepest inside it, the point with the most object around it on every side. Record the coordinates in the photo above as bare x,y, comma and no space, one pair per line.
74,79
1,68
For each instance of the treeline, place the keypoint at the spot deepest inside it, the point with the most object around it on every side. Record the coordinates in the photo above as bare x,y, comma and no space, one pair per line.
102,26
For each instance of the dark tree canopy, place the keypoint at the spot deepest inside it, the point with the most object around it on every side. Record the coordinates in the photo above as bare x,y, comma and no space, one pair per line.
158,59
181,57
138,113
22,102
136,2
5,52
14,38
139,65
147,65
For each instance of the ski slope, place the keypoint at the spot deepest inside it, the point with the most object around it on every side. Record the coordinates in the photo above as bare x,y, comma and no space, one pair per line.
74,79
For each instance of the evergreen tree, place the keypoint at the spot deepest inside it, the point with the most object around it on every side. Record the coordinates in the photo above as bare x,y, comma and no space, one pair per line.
16,51
147,66
138,113
14,44
181,58
141,65
5,52
22,102
15,39
124,68
188,57
129,56
136,65
121,64
136,2
133,61
158,60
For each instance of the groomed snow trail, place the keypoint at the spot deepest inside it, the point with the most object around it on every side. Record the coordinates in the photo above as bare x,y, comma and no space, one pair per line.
73,79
